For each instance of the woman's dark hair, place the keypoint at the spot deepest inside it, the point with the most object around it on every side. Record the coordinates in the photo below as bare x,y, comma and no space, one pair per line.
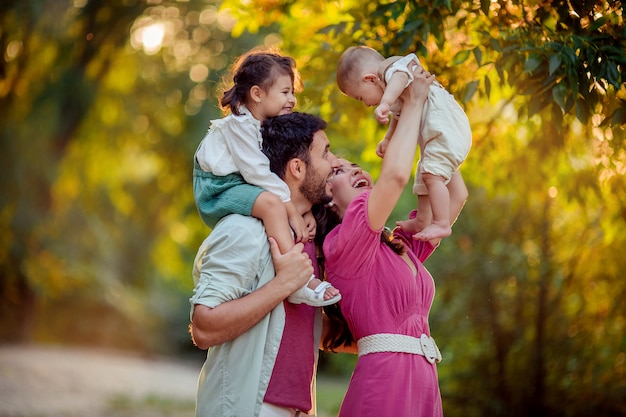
327,219
260,68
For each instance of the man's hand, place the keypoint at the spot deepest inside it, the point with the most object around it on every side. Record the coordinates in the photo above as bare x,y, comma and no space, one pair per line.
229,320
293,268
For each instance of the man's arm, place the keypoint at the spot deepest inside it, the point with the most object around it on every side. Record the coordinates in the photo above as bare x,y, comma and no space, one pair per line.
213,326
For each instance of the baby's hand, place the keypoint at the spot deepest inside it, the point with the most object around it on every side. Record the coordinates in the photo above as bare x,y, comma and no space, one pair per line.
381,148
382,113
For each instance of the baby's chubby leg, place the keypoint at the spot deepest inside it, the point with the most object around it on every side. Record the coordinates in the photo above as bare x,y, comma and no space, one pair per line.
423,216
440,206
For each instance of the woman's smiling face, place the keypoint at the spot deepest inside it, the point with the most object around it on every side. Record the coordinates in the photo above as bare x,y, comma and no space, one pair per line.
347,182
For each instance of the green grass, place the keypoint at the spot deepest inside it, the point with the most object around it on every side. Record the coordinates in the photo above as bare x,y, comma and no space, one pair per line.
330,393
151,406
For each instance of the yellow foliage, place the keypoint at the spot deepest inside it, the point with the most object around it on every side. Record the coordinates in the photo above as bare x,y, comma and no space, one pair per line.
123,74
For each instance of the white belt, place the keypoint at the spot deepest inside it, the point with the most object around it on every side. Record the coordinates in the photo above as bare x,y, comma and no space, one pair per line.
389,342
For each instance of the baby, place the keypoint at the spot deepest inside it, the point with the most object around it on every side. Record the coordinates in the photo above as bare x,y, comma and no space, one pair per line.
445,135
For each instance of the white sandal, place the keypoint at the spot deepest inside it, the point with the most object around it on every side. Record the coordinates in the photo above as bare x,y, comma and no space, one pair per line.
315,297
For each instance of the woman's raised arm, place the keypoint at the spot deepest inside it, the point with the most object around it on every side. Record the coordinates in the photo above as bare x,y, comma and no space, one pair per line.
399,158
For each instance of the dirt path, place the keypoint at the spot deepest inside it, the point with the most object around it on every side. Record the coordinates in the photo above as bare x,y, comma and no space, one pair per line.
53,382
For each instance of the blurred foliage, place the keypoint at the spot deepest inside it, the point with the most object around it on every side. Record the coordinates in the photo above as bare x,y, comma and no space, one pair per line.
102,104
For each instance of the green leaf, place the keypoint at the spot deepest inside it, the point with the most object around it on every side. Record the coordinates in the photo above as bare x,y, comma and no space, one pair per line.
487,82
397,11
478,55
461,57
598,23
382,9
484,6
572,77
470,90
532,63
557,117
582,110
495,44
413,25
570,54
407,44
536,103
555,63
619,116
558,94
338,28
569,102
612,74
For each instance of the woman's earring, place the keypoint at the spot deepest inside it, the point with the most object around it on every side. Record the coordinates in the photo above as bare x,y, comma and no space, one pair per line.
329,204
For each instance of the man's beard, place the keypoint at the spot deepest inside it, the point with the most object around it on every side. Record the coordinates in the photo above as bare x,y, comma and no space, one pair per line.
314,188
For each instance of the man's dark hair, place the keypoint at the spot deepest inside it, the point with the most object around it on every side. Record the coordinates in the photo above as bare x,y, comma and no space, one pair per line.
289,136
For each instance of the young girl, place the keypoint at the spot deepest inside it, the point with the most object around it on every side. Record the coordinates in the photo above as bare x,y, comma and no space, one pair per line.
232,175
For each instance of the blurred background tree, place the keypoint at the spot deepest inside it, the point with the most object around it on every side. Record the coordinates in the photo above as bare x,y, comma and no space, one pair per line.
102,106
103,103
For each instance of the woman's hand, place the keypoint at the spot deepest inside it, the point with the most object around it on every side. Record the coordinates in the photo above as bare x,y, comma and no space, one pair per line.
417,91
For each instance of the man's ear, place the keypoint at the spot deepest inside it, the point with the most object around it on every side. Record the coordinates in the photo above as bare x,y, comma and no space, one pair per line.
256,93
296,168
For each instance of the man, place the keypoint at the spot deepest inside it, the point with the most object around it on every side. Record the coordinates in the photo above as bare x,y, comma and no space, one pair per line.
263,351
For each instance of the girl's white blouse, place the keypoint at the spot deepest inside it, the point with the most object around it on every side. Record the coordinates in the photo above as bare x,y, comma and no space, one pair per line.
233,144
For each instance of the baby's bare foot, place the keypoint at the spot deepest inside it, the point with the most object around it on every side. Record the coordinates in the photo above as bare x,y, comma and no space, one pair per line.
433,231
410,225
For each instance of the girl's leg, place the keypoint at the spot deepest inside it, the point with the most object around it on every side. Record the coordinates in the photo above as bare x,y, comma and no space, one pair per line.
268,208
271,210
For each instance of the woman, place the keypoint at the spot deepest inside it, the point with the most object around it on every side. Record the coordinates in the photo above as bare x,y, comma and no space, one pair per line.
387,292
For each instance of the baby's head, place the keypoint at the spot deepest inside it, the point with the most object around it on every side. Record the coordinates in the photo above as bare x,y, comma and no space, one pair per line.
357,74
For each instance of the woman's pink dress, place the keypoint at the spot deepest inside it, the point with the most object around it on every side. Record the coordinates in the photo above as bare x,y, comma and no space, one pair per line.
382,295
